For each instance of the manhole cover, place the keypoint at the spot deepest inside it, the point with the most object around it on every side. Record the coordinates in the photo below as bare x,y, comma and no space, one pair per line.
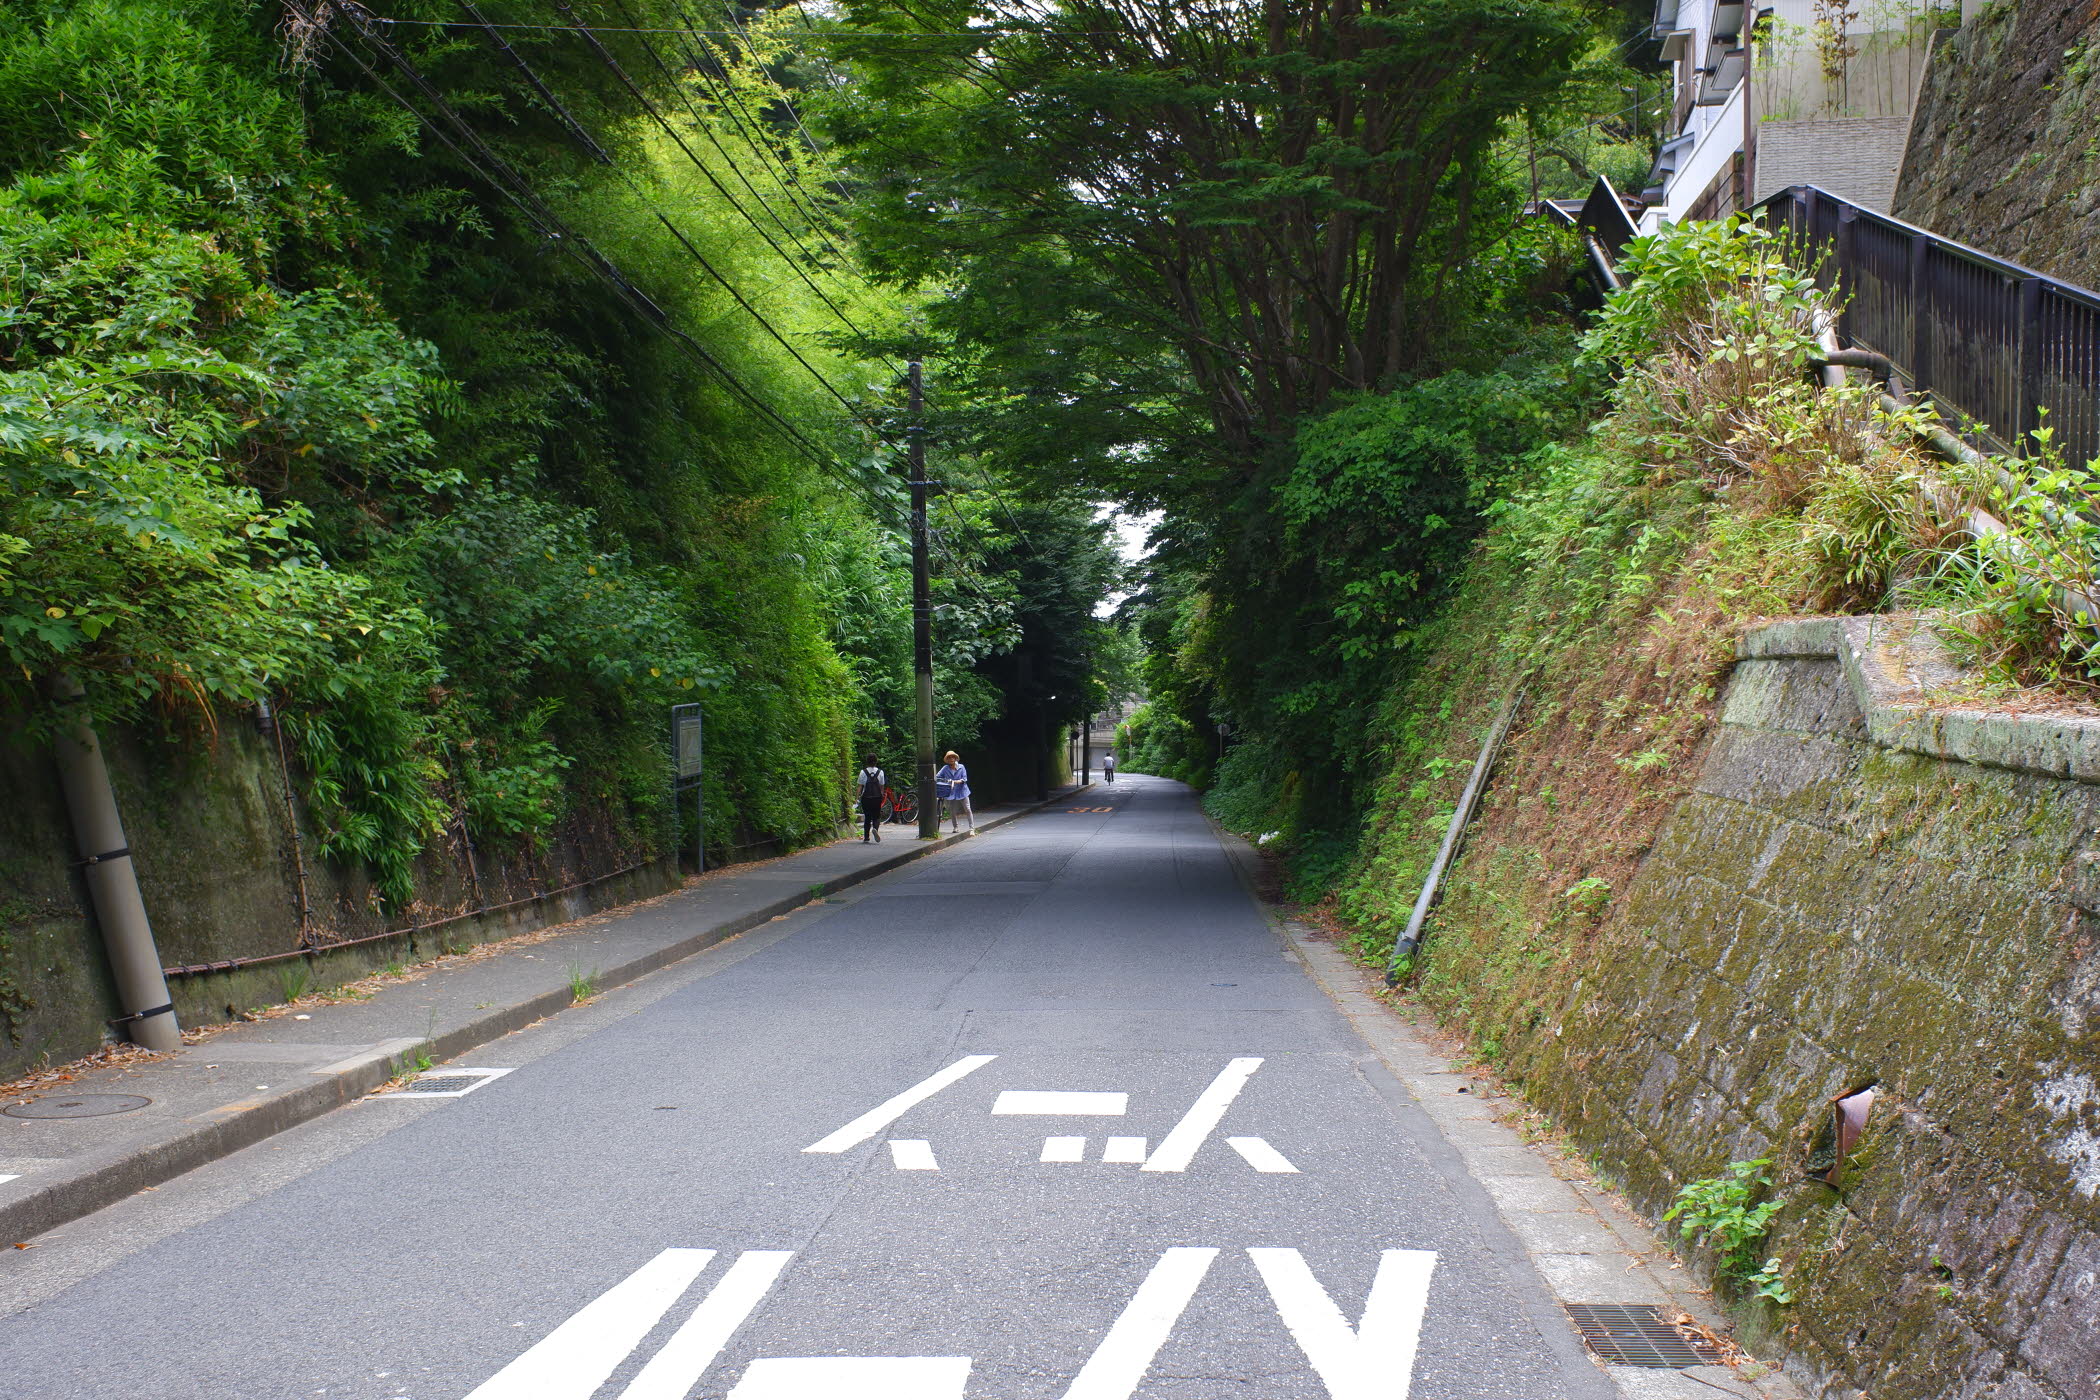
75,1106
1639,1336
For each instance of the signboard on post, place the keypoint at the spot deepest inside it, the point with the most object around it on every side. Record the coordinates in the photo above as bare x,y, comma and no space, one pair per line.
688,759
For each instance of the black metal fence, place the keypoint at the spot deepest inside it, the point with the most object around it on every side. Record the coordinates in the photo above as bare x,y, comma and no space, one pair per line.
1992,342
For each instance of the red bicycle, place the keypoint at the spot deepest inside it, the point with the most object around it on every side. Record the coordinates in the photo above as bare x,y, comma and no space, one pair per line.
900,805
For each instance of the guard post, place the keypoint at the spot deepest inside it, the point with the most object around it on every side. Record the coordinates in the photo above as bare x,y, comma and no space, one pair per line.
688,755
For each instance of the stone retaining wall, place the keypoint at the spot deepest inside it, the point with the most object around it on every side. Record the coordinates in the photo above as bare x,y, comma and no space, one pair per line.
1864,888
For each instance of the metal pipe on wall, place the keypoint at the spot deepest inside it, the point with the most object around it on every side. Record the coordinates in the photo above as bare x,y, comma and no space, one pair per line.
105,863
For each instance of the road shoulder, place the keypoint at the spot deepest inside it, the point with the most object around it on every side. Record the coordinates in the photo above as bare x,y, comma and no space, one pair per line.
1583,1243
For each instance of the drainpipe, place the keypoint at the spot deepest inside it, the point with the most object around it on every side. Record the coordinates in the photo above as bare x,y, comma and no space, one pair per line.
1410,941
105,861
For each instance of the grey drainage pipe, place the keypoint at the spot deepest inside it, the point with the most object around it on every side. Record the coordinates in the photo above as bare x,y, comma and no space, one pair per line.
1411,940
105,861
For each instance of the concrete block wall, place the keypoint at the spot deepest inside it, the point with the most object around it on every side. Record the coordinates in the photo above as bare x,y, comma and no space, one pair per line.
1864,888
1855,157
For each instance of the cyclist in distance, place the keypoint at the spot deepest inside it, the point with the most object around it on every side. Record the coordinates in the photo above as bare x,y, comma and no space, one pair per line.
1108,769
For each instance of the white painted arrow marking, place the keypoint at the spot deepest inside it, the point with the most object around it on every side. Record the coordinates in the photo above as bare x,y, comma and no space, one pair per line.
574,1359
1259,1155
888,1112
1178,1148
912,1155
854,1378
1119,1364
673,1372
1376,1360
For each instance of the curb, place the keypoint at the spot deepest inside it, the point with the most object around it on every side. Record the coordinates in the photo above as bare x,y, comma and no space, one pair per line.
109,1176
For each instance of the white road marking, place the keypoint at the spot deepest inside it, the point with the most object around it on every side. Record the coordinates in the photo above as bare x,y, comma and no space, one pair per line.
574,1359
912,1155
6,1177
1062,1101
1064,1149
854,1378
1178,1148
673,1372
1259,1155
1128,1150
1376,1360
881,1116
1119,1364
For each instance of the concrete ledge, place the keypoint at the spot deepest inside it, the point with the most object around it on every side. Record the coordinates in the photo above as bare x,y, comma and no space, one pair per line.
1895,664
102,1178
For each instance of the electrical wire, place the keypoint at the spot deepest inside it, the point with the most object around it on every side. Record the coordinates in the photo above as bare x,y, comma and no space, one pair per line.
519,192
686,243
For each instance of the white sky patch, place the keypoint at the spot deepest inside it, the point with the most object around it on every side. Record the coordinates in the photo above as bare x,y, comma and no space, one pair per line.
1131,535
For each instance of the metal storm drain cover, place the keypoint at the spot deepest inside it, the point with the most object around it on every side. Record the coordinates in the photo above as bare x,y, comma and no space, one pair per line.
1623,1335
448,1083
75,1106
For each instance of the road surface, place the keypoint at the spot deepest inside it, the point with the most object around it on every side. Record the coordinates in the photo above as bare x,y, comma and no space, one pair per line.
1051,1116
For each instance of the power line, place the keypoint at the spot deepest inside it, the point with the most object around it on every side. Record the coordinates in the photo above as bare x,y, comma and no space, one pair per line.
519,192
698,257
717,183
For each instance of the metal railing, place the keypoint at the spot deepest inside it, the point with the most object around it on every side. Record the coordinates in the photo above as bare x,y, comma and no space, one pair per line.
2001,348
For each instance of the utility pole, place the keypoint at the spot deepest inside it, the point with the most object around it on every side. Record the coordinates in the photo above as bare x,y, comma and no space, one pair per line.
1086,748
921,610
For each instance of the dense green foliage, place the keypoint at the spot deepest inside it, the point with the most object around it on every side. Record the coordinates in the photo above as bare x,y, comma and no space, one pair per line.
473,435
1265,272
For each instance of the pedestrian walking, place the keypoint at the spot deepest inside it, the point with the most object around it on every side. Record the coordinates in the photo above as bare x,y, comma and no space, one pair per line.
1108,769
871,785
953,781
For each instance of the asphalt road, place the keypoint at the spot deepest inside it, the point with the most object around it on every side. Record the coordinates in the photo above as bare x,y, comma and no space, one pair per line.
1050,1116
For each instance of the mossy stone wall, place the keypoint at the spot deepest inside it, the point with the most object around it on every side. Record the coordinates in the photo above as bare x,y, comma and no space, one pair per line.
221,851
1822,913
2004,147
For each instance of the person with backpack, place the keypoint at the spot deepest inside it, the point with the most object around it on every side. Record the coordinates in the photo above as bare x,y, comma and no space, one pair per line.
953,782
1108,769
870,787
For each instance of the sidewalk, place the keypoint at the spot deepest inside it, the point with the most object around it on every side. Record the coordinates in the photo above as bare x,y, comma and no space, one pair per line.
250,1081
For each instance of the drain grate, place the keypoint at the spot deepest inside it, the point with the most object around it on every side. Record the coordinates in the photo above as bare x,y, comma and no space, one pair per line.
448,1084
1623,1335
75,1106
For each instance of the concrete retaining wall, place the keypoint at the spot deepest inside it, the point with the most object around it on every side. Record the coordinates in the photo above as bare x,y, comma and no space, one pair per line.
1864,888
212,834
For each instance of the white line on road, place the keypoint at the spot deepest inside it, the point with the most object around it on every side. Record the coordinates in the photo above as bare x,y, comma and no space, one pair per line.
912,1155
1062,1101
880,1117
1064,1149
1259,1155
6,1177
1376,1360
1130,1151
673,1372
854,1378
574,1359
1178,1148
1119,1364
